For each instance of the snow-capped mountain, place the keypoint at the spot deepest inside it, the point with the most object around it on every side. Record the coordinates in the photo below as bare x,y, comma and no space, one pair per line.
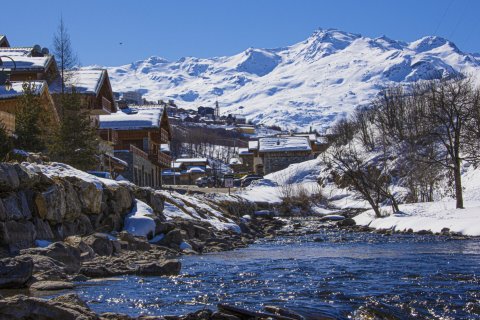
311,83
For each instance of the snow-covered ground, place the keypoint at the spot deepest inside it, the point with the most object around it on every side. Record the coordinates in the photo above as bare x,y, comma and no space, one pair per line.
310,83
429,216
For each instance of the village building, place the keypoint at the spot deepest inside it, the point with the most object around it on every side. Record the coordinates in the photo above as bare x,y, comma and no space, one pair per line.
132,98
93,85
271,154
29,63
185,171
318,143
10,103
139,137
4,41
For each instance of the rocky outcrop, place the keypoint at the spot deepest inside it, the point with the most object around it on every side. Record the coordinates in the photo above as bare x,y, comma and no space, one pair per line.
68,307
37,206
15,272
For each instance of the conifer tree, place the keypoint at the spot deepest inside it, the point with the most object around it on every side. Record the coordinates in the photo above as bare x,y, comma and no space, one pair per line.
5,142
76,142
28,128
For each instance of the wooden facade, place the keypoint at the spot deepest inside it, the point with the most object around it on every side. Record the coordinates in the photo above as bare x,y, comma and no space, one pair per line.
139,146
4,42
12,104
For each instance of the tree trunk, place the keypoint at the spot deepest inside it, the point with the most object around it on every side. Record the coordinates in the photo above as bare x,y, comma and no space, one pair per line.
458,185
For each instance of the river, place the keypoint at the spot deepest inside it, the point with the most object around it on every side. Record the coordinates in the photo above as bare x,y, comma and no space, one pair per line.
333,273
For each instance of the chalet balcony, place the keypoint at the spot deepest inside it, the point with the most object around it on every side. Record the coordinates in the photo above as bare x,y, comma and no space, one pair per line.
104,109
161,159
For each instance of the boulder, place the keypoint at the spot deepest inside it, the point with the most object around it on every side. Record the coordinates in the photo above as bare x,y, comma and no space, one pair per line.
15,272
3,212
16,207
51,205
46,268
86,252
348,222
90,195
134,243
43,230
120,199
26,176
59,251
80,226
165,268
51,285
68,307
156,201
73,205
100,243
8,177
174,237
21,234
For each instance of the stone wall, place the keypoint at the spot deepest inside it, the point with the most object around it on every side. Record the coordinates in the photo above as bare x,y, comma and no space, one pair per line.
35,206
278,161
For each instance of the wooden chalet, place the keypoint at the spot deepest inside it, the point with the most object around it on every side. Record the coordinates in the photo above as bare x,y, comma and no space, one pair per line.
94,87
139,137
4,41
10,103
30,64
271,154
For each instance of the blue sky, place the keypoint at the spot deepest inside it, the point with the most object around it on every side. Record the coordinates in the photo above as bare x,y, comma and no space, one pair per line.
173,29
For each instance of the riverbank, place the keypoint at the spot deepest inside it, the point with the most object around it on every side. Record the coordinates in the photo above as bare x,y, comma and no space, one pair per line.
331,273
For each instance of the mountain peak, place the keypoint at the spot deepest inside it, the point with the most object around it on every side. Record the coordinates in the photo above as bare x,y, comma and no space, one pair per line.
311,83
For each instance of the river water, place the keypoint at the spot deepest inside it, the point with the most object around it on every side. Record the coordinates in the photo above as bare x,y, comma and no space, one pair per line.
333,273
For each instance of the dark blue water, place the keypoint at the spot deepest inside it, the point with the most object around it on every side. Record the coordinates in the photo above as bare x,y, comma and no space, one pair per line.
347,275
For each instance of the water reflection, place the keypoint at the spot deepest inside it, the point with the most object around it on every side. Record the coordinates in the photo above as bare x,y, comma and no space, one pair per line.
346,275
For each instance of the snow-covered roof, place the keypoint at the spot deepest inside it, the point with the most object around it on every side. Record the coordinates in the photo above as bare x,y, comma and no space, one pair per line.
165,147
311,136
279,144
16,51
17,89
243,151
235,161
176,165
196,170
253,145
85,81
23,62
143,119
191,160
322,140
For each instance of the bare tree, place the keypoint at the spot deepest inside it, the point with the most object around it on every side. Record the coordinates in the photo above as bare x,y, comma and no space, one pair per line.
371,181
63,51
449,110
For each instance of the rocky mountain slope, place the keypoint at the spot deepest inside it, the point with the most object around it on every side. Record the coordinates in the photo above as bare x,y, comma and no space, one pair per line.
310,83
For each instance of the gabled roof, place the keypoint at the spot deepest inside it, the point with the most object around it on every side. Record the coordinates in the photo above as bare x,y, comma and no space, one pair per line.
282,144
191,160
26,63
85,81
4,41
17,89
142,119
16,51
253,145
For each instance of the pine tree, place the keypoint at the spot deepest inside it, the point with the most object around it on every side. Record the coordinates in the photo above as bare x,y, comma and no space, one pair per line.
76,142
5,142
64,53
28,128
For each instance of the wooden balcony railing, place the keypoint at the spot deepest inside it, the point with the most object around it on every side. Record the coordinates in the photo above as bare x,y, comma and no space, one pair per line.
160,159
138,152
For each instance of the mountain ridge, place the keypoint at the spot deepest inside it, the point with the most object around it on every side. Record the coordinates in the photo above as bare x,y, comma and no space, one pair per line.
311,83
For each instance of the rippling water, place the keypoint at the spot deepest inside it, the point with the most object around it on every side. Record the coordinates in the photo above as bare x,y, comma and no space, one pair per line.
337,274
